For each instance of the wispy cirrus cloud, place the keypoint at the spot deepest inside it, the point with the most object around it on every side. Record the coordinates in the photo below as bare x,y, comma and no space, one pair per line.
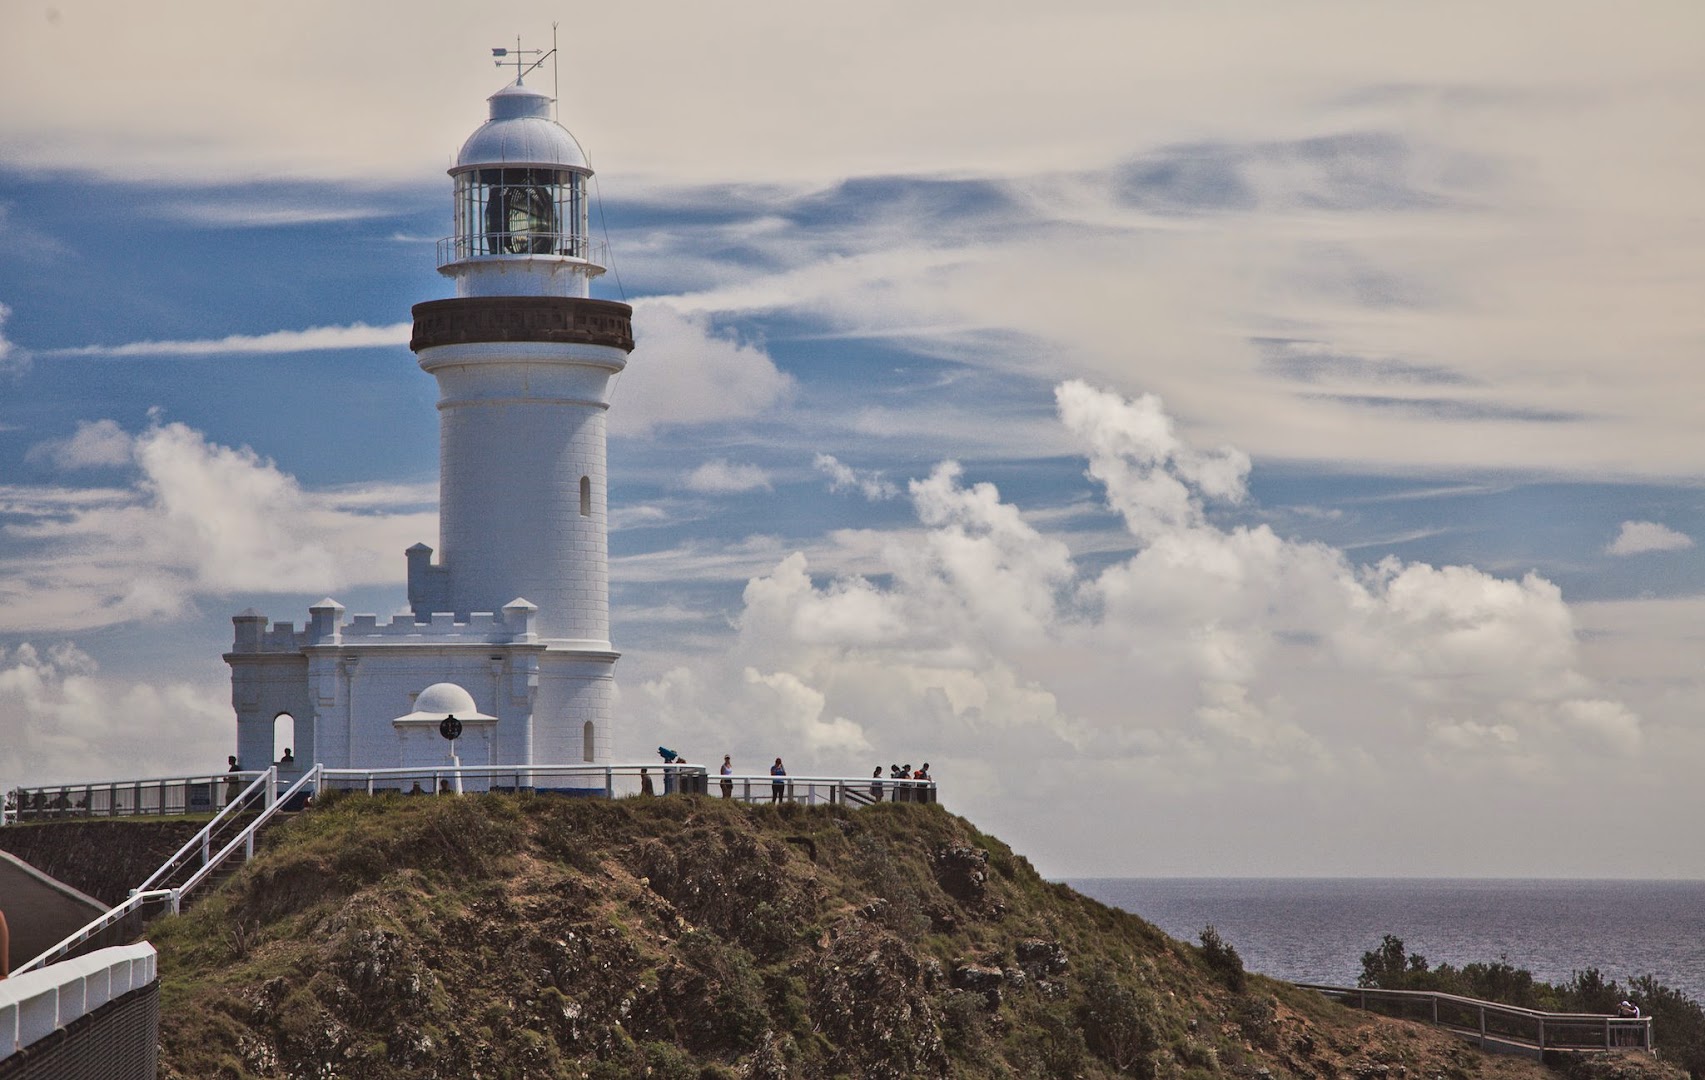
313,339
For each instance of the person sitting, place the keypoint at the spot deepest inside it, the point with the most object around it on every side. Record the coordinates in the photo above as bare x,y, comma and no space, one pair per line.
288,759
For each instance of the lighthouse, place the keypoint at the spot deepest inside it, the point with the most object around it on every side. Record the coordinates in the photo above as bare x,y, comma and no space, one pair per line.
508,619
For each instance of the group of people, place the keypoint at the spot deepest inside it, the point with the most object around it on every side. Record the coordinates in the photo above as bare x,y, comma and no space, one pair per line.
912,792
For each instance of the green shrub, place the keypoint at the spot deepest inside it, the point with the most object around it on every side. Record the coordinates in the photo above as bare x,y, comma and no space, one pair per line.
1222,959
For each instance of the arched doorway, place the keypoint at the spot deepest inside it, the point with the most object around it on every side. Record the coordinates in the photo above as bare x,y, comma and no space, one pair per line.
283,736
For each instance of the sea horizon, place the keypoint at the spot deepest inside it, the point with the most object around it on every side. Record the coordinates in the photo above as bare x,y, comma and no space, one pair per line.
1315,929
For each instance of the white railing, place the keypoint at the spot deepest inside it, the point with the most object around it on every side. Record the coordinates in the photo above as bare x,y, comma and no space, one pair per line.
622,780
170,795
198,857
570,247
1489,1022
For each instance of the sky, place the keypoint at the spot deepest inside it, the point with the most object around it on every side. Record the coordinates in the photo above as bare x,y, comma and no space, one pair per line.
1233,439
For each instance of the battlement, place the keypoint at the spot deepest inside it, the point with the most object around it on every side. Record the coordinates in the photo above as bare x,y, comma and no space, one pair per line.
515,624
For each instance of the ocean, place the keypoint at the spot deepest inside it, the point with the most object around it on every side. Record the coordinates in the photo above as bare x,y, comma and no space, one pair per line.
1316,929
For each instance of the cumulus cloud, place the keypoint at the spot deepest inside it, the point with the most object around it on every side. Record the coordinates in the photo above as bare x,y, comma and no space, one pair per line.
60,720
193,519
684,371
1640,537
1203,658
95,444
722,477
843,477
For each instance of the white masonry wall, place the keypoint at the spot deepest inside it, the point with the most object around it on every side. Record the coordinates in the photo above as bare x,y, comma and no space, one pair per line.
520,424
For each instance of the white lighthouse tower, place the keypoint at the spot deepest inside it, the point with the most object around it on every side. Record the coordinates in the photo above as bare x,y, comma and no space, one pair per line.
514,612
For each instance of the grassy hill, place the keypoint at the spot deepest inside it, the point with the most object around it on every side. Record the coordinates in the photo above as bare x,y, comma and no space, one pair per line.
685,937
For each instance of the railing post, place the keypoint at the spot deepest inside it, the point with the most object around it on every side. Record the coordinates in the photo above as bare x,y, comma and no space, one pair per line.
1542,1034
609,782
1482,1027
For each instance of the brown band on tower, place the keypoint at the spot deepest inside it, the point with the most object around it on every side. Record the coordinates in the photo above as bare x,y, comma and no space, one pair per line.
557,319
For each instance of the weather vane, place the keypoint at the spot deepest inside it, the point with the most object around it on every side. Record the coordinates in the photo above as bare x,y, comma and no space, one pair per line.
518,56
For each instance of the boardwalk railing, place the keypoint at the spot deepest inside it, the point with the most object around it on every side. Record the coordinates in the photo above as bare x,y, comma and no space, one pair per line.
217,843
198,794
617,781
1501,1027
169,795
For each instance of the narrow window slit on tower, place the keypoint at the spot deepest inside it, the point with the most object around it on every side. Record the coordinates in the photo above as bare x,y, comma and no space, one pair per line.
588,745
585,496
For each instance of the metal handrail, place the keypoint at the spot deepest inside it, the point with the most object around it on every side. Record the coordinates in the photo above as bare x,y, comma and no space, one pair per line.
751,787
570,247
1608,1025
264,786
201,842
97,925
307,782
114,793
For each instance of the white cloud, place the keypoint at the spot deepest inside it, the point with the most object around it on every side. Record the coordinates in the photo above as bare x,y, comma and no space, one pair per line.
842,477
101,443
722,477
197,519
1211,660
315,338
684,372
60,720
1640,537
11,357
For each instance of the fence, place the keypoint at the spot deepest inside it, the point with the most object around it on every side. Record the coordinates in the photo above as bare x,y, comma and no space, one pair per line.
231,831
214,793
173,795
1497,1026
618,781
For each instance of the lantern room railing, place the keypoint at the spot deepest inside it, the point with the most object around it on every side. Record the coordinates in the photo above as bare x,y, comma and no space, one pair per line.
571,247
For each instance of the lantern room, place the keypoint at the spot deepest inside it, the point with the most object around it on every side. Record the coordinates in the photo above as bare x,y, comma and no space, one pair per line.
520,205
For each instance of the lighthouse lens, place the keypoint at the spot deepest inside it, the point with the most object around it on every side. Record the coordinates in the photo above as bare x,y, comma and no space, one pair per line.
520,214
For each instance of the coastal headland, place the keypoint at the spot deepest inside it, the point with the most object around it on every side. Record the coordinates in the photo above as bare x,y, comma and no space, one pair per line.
519,936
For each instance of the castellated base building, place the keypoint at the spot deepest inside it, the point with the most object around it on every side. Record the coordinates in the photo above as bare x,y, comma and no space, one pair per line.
509,629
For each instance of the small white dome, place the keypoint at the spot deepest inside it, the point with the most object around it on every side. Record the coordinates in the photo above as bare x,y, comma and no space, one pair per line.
521,133
443,699
440,700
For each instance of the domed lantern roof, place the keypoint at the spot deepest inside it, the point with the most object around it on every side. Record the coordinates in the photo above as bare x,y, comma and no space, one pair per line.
521,133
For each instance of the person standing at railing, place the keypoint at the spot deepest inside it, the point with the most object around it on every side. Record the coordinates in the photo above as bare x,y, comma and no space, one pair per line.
233,782
925,793
778,771
727,776
876,785
645,782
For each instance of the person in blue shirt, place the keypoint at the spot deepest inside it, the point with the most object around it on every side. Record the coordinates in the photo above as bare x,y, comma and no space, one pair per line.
777,784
